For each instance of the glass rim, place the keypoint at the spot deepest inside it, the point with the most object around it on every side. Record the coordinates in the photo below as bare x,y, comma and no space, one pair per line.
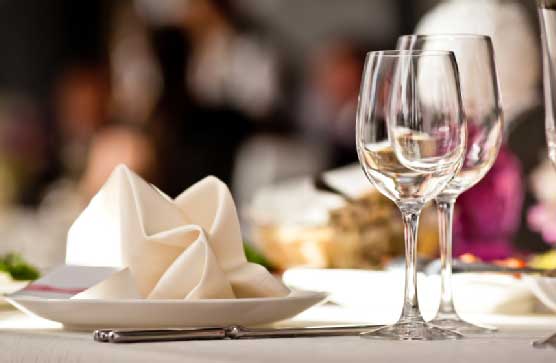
447,35
399,53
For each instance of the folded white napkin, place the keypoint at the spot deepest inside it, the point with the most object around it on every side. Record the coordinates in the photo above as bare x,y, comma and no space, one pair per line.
187,248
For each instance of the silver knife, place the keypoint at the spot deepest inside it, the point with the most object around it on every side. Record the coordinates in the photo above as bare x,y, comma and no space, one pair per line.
219,333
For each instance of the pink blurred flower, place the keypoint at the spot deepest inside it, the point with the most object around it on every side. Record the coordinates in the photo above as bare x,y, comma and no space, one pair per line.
542,218
488,214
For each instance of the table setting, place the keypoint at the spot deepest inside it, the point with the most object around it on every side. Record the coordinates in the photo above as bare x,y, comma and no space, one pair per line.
151,278
149,265
96,295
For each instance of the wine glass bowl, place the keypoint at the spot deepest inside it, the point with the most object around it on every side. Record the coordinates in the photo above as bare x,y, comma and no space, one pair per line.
411,139
547,17
480,96
414,144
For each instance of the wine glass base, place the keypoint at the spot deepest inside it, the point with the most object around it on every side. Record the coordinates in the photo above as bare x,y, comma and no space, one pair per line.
461,326
419,330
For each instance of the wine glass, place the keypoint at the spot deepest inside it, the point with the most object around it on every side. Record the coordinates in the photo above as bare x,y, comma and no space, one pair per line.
411,138
483,113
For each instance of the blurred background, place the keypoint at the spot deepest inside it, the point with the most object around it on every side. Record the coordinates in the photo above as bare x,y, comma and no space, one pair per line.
255,92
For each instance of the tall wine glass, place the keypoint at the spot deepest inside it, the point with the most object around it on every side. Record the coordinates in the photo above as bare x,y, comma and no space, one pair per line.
483,113
410,141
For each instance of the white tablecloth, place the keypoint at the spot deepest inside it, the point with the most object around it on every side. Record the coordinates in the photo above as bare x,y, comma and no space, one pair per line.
24,339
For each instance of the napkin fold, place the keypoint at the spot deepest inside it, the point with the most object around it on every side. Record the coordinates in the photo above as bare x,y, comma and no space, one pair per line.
188,248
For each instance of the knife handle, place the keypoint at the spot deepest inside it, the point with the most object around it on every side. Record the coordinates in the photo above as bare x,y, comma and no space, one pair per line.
163,335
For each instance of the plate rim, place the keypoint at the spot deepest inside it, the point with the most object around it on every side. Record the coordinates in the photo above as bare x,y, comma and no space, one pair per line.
296,294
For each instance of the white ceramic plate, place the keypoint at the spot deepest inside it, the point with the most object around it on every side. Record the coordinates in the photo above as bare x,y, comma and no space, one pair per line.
544,289
382,291
94,314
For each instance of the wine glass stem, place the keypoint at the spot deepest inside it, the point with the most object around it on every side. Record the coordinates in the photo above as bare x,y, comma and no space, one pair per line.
411,310
445,207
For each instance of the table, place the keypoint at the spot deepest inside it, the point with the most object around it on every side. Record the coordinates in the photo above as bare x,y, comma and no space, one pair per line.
25,339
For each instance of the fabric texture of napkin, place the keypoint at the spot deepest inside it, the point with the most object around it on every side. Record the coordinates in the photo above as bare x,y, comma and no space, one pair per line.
188,248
